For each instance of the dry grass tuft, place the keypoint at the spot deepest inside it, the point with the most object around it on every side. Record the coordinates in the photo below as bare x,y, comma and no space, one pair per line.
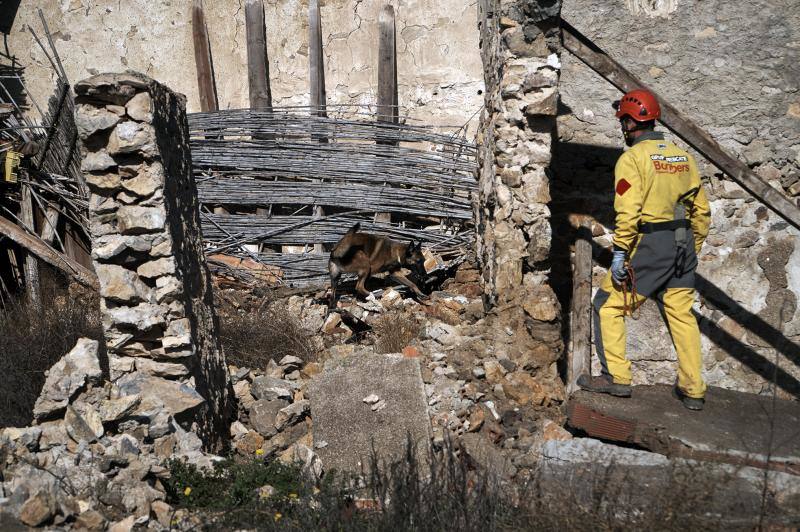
33,339
395,330
254,333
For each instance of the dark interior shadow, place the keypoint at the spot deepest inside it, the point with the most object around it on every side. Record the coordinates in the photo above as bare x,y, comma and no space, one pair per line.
582,173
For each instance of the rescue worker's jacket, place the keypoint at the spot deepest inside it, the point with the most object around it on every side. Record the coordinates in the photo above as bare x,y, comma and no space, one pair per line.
651,180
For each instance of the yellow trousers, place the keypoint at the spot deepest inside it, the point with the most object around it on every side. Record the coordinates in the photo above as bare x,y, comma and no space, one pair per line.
677,308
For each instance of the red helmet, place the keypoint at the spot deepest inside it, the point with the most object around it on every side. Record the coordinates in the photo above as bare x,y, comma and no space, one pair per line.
641,105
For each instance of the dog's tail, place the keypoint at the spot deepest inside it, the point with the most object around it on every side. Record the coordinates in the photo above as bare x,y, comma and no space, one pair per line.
341,249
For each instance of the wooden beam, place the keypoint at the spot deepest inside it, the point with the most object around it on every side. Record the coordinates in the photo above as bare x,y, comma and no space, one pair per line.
32,284
49,224
387,66
316,71
681,125
387,79
316,62
203,61
257,56
35,245
580,318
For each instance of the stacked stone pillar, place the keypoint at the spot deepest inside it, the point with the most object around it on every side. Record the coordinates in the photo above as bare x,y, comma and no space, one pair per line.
519,48
156,297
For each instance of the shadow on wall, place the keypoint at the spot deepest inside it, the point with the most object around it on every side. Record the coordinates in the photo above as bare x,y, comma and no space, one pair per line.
582,184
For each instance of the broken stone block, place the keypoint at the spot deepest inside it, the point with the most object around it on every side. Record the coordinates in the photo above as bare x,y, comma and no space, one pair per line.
167,288
83,426
38,509
103,181
140,107
68,376
263,415
112,410
129,137
157,268
90,119
132,219
291,414
271,388
175,397
162,369
143,316
97,162
27,437
350,428
122,285
146,183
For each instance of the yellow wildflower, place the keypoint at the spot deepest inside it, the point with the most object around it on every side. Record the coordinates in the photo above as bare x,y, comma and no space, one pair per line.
259,452
187,491
278,516
292,495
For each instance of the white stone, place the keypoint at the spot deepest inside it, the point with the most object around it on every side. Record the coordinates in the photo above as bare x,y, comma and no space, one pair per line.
132,219
120,284
157,268
143,316
140,107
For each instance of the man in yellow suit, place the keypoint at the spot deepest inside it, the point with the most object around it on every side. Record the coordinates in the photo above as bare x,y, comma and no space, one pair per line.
662,219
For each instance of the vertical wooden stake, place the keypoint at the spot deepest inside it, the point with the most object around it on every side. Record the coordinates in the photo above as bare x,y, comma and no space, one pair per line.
387,67
257,57
203,61
32,283
581,317
316,71
387,79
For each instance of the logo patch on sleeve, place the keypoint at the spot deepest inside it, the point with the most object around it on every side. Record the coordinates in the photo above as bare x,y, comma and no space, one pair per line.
623,186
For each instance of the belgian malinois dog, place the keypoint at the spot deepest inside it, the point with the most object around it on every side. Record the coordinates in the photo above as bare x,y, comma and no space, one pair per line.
366,255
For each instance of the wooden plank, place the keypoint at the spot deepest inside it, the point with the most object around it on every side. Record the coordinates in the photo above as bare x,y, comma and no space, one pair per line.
681,125
387,66
49,224
257,56
316,66
733,427
202,59
581,317
35,245
32,284
387,79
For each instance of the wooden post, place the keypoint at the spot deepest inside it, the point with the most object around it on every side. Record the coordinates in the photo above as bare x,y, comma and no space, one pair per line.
49,224
387,79
203,61
387,67
581,317
32,284
257,57
316,71
682,126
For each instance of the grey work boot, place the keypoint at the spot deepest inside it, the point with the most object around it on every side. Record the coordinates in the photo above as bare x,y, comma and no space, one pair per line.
692,403
603,384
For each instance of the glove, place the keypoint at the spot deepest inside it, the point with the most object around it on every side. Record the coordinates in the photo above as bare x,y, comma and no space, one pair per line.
618,271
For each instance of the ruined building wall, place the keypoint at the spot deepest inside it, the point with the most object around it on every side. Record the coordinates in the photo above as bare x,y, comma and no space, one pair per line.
438,64
519,44
155,288
733,68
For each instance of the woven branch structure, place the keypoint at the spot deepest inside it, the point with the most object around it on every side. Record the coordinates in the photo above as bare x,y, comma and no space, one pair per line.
268,169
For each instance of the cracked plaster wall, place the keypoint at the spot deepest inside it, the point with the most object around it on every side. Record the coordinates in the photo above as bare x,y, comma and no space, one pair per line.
439,65
733,68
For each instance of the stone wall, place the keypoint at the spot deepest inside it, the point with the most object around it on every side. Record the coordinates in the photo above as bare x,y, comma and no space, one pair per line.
519,43
731,68
155,288
438,63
